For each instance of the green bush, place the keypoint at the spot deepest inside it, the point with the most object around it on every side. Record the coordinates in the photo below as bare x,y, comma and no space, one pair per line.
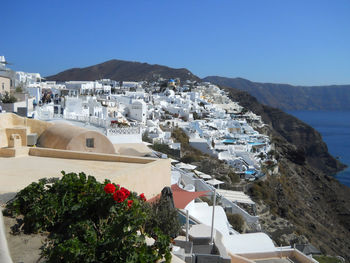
7,98
88,224
259,191
234,177
190,158
237,222
164,148
164,217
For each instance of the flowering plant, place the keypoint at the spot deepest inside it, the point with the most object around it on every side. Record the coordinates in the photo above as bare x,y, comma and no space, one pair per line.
89,221
109,188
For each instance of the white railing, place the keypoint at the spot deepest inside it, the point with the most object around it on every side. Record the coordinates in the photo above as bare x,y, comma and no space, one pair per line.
123,130
90,119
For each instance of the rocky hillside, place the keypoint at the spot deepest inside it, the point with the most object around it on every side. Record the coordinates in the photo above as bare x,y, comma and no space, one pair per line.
305,193
288,97
123,70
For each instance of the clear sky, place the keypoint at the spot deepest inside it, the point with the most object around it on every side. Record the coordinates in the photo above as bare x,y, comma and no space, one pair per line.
303,42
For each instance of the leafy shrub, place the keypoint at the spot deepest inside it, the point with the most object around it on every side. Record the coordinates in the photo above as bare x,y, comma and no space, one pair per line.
7,98
237,222
259,191
190,158
145,137
234,177
89,223
164,217
180,136
164,148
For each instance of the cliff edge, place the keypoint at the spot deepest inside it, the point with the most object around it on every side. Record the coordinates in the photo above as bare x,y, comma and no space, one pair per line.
305,192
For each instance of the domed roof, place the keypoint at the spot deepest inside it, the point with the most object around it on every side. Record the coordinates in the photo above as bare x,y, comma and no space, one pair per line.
68,137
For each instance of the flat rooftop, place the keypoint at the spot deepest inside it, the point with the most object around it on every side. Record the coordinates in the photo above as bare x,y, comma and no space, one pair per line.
17,173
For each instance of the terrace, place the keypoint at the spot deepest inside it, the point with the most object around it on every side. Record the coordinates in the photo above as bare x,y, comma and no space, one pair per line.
143,175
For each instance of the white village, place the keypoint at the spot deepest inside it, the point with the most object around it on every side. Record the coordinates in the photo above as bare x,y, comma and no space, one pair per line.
138,119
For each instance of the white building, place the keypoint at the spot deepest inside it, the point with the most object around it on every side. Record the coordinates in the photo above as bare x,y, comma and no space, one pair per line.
138,111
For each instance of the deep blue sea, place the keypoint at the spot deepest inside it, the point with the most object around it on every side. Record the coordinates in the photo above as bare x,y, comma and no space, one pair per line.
334,127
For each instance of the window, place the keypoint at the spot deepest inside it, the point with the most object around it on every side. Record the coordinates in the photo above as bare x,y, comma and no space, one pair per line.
90,142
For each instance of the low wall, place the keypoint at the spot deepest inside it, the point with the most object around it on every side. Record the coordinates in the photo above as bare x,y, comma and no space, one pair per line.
150,178
14,152
63,154
12,107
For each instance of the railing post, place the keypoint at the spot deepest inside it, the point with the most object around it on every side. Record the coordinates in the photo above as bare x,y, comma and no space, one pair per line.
187,225
212,220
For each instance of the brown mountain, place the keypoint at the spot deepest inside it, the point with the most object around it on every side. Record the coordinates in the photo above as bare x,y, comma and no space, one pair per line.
288,97
123,70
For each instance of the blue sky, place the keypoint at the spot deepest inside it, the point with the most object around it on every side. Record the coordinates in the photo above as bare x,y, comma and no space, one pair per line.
296,42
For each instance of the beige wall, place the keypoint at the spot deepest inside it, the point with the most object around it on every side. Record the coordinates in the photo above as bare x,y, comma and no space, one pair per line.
5,85
10,121
150,178
55,153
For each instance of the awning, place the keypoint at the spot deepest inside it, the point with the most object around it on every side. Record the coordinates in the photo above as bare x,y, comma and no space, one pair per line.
183,197
214,182
185,166
202,175
236,196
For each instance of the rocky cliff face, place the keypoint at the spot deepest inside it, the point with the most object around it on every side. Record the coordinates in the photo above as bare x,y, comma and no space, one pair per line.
305,193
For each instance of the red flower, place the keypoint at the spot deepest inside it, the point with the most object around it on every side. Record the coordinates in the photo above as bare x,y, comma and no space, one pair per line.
119,196
130,203
142,197
125,191
109,188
